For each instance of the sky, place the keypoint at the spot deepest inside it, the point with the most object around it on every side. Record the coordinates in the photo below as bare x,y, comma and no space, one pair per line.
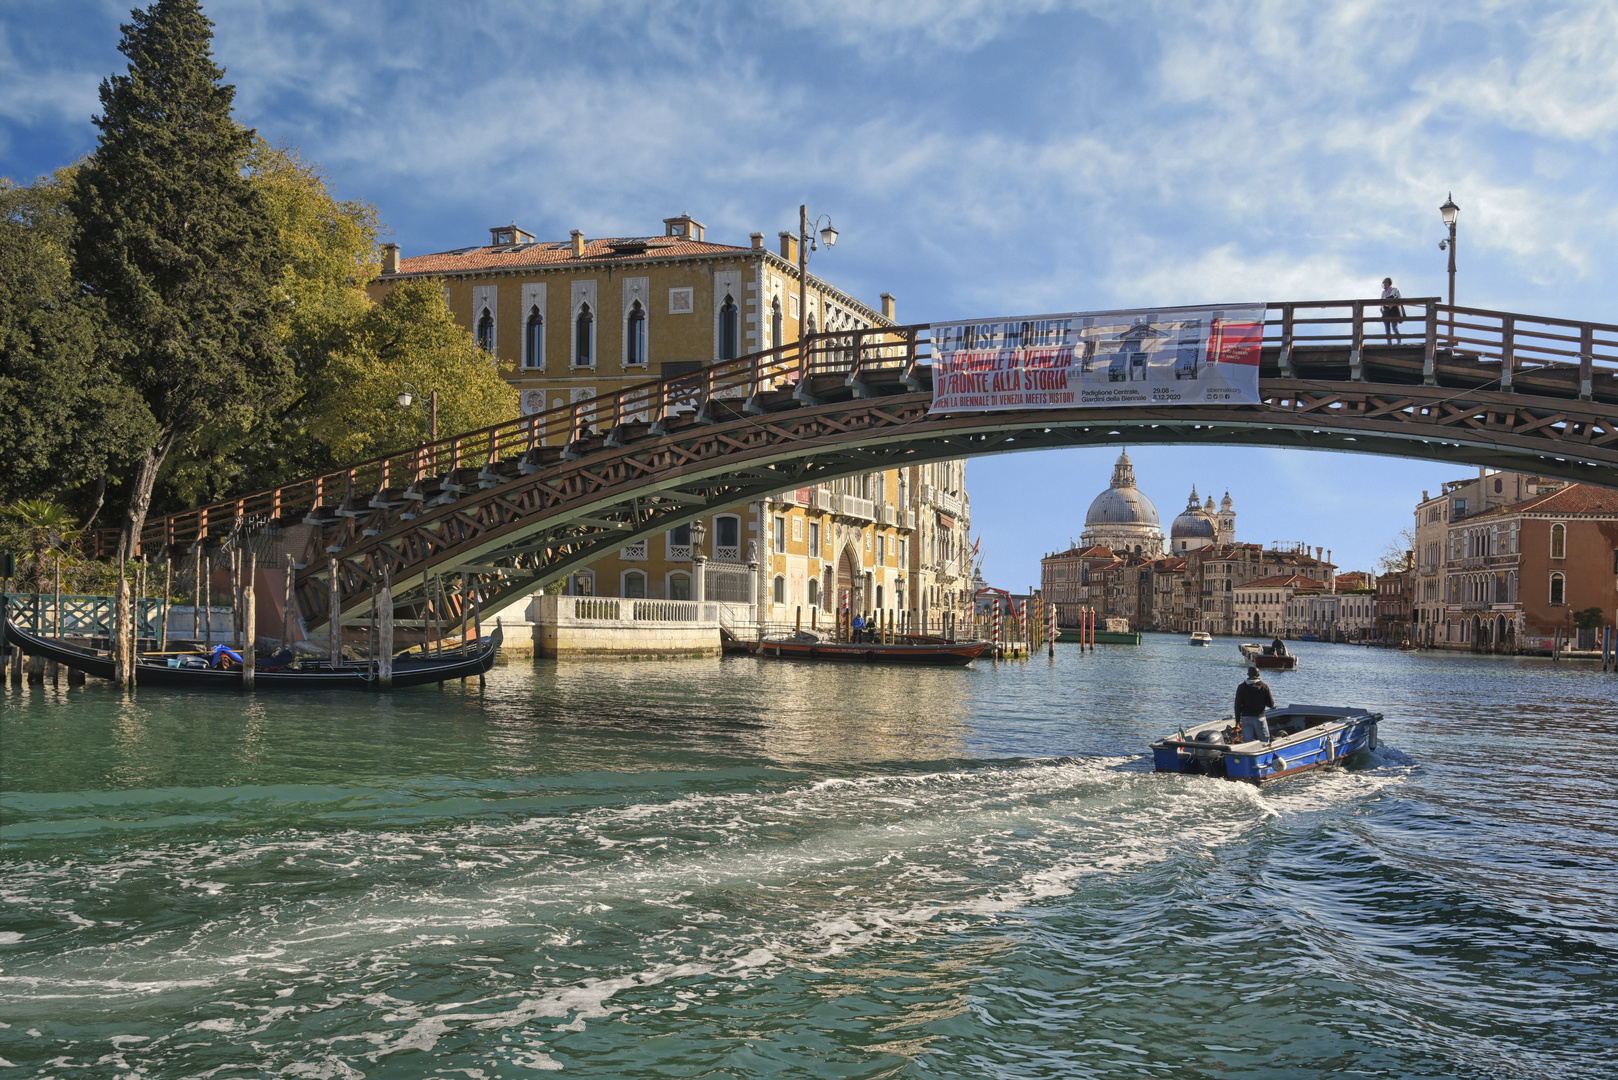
979,159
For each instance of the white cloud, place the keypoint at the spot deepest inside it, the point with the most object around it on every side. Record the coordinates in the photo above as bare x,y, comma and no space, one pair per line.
1567,85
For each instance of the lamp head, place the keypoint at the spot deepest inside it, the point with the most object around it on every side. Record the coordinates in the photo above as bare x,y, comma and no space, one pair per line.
1449,210
405,398
828,235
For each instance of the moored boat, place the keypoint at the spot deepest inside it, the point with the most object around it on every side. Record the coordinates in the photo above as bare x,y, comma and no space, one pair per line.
196,670
1200,637
907,649
1263,656
1112,631
1302,737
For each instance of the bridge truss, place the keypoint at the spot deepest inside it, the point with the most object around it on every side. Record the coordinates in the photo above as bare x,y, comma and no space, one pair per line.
503,510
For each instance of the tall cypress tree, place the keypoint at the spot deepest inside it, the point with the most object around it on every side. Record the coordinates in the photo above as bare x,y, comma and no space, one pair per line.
178,246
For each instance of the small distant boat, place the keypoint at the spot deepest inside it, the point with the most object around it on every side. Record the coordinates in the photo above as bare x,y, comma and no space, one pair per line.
907,649
194,670
1303,737
1308,637
1200,637
1263,656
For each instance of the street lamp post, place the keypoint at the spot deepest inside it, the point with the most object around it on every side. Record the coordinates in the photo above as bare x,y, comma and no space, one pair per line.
699,562
1449,212
806,244
407,395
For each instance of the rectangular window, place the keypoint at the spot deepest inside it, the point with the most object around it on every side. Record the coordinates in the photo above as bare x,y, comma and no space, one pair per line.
780,534
881,548
814,538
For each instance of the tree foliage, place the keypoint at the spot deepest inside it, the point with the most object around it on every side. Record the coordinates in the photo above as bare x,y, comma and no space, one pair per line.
1394,556
409,340
62,419
178,246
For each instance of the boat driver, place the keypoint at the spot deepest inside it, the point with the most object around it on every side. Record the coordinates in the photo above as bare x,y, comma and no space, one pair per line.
1252,698
1278,648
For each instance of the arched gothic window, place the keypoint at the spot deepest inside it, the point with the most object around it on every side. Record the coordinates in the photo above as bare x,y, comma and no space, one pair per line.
1558,590
814,592
1558,541
775,322
728,329
486,331
635,335
582,328
779,593
534,340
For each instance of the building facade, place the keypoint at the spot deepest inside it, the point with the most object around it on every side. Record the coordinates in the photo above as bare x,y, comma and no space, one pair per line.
1456,501
570,320
1516,575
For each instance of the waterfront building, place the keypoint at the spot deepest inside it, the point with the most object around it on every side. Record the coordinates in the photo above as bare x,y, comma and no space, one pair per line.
1261,605
1332,616
569,320
1515,575
1457,500
1395,602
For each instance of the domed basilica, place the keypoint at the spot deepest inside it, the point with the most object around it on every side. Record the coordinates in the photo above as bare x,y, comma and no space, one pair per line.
1123,519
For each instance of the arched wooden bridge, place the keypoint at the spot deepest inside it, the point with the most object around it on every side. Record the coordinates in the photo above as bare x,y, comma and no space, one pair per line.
510,507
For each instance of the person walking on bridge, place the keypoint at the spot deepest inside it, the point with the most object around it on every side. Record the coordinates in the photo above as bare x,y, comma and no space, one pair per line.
1252,698
1392,313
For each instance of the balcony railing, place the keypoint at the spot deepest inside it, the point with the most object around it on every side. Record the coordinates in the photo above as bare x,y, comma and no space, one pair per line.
855,507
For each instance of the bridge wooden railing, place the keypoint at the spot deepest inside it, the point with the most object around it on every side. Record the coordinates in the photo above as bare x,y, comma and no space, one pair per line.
1519,343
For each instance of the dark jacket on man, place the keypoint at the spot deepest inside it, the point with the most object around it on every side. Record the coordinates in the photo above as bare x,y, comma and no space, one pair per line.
1252,698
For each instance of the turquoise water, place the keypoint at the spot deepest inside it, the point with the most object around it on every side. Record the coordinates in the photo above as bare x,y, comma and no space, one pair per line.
746,868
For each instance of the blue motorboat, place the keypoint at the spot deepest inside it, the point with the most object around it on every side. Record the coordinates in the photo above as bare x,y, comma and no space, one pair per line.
1302,737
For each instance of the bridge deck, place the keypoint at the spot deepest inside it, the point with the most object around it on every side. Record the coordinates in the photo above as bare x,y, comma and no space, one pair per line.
505,508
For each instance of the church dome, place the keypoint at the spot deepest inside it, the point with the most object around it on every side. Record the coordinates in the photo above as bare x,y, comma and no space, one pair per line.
1194,523
1122,503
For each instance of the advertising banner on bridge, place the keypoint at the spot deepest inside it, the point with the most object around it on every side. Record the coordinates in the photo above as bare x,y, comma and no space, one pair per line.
1151,356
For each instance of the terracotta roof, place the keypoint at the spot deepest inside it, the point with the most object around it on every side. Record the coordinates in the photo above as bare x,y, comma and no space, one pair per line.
1575,499
559,253
1296,581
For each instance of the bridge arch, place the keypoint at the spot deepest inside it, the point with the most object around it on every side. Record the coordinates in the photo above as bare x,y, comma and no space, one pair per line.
508,508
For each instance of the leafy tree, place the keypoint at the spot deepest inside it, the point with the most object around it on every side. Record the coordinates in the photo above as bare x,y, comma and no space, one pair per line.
178,245
1589,618
35,527
1393,557
408,340
62,420
329,248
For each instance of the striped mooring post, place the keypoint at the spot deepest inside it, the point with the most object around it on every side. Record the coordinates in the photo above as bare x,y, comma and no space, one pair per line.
994,627
1050,629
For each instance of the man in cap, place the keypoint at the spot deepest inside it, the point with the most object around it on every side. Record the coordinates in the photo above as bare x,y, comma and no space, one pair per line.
1252,698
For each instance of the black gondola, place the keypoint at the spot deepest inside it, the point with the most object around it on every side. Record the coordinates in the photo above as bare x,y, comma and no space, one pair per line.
409,669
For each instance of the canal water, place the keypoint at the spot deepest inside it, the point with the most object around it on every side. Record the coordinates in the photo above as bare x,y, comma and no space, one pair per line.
746,868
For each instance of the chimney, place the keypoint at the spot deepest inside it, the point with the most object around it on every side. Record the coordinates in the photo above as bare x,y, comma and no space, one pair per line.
889,306
789,247
390,258
578,244
758,240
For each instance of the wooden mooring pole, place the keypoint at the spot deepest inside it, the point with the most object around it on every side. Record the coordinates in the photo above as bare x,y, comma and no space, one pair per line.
334,613
384,671
120,627
249,621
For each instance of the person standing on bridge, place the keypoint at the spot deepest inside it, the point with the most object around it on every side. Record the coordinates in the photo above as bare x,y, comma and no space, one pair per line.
1252,698
1393,313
